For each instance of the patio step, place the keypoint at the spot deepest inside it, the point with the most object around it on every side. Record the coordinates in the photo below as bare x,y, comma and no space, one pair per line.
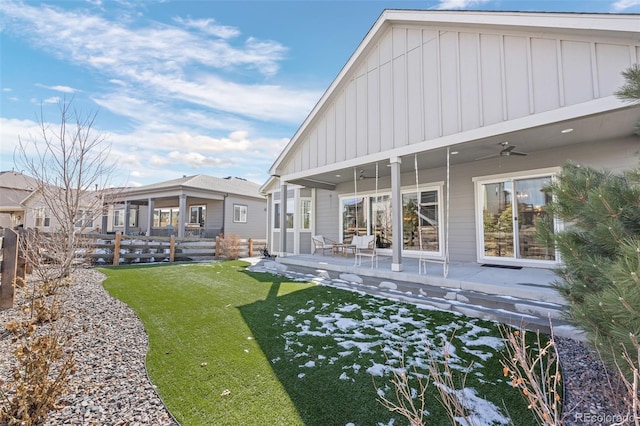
517,312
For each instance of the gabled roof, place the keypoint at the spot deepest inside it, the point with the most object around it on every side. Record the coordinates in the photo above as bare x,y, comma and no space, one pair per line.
620,25
228,185
17,180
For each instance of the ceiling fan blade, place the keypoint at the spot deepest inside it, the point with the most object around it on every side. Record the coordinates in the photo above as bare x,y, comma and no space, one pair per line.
484,157
518,153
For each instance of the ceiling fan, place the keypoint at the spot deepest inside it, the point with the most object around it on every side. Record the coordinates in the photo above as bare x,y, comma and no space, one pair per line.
506,151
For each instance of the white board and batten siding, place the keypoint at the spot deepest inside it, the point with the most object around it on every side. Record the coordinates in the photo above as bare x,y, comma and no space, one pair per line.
419,83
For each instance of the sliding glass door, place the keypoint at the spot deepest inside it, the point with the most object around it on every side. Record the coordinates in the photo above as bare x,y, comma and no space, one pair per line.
510,208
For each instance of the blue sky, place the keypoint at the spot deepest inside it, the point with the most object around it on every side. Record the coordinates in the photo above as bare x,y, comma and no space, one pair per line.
188,87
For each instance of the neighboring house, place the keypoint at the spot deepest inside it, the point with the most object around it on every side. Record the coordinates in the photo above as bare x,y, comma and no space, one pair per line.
14,187
464,95
200,205
38,213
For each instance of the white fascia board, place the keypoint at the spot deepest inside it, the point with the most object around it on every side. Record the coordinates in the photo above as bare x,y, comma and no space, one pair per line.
268,185
550,20
597,106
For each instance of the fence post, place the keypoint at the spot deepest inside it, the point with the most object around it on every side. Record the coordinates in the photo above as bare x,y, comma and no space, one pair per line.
21,268
9,266
250,247
116,249
217,250
172,249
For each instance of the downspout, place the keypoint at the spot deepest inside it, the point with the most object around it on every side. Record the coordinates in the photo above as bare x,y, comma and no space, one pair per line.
224,211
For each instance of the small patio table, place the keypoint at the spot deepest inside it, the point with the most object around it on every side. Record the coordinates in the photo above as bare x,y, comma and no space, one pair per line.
343,249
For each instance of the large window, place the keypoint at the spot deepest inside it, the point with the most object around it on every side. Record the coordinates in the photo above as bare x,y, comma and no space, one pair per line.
372,215
355,217
421,221
510,208
381,220
240,213
166,217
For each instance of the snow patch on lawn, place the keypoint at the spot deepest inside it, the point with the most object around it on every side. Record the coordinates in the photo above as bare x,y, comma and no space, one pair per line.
382,338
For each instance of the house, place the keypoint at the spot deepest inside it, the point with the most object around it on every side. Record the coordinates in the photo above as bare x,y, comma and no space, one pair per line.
14,187
441,129
48,215
200,205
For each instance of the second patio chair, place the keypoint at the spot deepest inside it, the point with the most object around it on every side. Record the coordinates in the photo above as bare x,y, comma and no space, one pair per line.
365,245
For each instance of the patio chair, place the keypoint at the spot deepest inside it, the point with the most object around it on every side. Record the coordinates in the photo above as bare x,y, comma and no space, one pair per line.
322,243
365,245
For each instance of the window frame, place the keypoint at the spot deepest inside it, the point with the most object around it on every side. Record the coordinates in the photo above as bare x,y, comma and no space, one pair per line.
438,187
479,183
42,217
243,210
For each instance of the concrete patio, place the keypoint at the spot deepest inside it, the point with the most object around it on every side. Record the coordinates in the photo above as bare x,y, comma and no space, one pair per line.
519,297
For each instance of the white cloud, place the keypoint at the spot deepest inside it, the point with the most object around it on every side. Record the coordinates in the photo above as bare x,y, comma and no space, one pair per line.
621,5
59,88
168,63
195,160
52,100
459,4
208,26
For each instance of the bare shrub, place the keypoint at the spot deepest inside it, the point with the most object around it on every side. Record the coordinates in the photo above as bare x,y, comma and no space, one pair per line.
43,362
39,378
231,246
412,405
535,372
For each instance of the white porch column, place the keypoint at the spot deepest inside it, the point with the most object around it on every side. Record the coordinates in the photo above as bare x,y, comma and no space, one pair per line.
182,214
127,210
151,207
396,219
283,219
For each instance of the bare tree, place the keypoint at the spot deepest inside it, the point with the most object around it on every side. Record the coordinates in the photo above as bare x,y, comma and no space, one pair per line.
71,165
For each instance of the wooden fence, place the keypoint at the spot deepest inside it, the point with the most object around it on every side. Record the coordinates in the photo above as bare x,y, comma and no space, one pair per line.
140,249
100,249
12,266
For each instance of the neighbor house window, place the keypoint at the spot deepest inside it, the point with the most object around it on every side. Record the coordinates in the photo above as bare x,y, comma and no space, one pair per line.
118,217
83,219
166,217
240,213
197,215
43,218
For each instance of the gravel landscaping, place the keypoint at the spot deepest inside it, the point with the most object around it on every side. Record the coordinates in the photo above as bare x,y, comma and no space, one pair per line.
111,386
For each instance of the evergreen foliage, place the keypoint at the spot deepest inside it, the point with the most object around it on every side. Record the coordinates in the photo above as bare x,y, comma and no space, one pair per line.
630,91
600,249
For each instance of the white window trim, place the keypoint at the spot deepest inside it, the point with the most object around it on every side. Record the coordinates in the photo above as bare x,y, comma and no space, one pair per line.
497,178
244,207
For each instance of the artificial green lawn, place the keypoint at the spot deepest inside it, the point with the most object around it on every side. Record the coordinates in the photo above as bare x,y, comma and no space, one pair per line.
231,347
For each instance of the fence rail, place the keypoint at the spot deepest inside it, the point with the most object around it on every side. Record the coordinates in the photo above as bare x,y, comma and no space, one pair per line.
100,249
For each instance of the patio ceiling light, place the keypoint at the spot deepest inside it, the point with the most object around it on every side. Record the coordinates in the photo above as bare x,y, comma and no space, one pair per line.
569,130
